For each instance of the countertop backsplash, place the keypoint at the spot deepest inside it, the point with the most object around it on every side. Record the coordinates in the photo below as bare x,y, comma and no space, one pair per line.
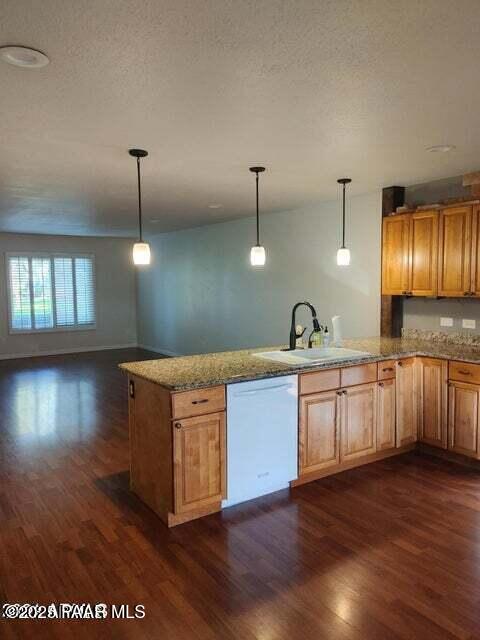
470,339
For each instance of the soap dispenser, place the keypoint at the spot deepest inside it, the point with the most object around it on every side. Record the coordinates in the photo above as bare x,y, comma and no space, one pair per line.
326,337
315,340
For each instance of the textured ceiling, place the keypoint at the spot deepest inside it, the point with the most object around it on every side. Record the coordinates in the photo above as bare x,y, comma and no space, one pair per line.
312,89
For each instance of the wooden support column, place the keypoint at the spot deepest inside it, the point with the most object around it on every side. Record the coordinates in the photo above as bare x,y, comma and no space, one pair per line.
391,307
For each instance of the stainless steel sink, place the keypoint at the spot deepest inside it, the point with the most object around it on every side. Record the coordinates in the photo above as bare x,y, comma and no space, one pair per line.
305,357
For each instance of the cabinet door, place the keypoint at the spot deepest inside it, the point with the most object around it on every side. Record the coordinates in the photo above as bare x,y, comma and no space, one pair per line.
395,254
454,277
475,254
199,461
432,401
463,418
358,421
318,431
423,254
386,415
406,402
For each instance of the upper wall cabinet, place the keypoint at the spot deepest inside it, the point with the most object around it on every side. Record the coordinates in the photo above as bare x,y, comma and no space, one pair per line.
410,254
455,252
395,259
423,254
475,253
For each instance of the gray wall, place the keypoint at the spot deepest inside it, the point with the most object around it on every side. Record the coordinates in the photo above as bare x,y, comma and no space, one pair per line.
424,313
201,294
115,296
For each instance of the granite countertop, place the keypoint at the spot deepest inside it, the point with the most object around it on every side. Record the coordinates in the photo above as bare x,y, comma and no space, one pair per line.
194,372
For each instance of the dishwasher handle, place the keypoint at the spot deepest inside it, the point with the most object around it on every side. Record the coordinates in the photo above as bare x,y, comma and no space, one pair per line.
252,392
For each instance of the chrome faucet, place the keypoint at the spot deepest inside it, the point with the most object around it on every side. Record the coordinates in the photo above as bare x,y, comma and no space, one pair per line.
293,334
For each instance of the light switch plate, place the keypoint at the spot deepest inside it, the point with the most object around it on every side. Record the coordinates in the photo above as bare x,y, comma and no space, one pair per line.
468,324
446,322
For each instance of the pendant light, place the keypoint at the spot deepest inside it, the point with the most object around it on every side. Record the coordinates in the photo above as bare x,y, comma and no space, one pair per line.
343,254
141,249
257,253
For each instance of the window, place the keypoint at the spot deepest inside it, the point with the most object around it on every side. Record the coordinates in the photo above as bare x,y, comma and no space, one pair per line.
50,292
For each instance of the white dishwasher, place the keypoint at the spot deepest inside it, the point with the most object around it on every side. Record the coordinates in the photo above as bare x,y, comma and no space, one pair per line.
262,437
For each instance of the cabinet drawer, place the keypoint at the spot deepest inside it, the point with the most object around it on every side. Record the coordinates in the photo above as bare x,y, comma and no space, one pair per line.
464,372
386,369
319,381
198,402
359,374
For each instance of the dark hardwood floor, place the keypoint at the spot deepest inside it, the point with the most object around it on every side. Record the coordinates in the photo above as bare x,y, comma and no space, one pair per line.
390,550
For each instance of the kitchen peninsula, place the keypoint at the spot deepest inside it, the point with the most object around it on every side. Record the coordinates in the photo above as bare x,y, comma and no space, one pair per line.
404,393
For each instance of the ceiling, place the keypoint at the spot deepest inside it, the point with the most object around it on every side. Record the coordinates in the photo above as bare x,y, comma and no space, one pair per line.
313,89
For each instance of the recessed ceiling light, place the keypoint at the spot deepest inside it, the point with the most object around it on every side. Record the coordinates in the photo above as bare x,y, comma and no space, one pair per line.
441,148
215,206
24,57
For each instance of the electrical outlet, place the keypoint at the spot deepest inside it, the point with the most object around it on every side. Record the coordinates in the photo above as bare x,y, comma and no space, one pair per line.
468,324
446,322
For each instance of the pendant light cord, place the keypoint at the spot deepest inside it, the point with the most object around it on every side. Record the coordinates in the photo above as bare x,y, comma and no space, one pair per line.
343,227
258,219
139,200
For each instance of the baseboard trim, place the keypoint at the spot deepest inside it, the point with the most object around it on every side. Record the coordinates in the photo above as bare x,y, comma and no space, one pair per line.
59,352
351,464
163,352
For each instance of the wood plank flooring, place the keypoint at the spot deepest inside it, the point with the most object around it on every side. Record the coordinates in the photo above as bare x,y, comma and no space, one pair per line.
387,551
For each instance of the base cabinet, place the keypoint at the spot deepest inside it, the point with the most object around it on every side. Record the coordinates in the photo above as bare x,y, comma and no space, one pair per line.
406,402
463,406
177,457
358,421
386,415
199,461
432,401
336,427
319,430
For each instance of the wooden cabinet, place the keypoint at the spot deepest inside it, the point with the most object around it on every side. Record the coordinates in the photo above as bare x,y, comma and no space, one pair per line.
199,461
463,406
386,415
455,252
410,254
319,430
432,401
198,402
177,465
358,421
406,402
395,254
423,254
475,253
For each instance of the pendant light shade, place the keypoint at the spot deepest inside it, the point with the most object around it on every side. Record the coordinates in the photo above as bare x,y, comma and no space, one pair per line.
141,253
257,252
343,257
141,249
257,256
343,254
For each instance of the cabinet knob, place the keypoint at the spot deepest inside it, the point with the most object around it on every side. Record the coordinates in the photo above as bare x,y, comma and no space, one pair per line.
344,392
339,393
380,384
178,425
400,364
